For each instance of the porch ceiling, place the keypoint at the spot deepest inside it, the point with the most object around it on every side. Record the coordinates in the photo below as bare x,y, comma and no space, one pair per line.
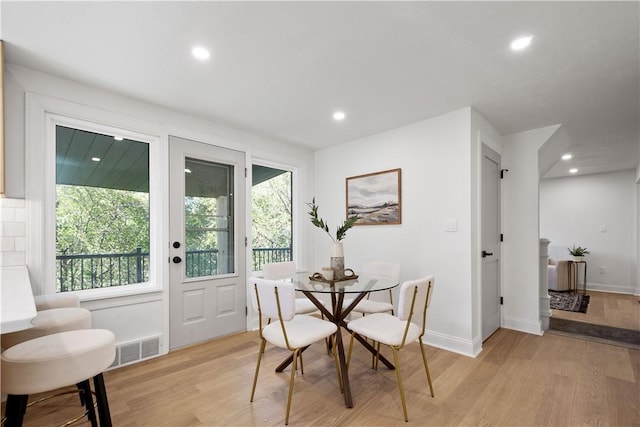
124,165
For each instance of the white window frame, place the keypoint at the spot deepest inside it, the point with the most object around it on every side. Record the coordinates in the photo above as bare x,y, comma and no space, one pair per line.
43,115
295,240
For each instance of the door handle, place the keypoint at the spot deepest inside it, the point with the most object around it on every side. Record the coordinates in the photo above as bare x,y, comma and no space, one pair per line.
177,259
486,254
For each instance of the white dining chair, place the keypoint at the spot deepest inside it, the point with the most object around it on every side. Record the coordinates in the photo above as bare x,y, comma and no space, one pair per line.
286,270
276,300
397,331
367,305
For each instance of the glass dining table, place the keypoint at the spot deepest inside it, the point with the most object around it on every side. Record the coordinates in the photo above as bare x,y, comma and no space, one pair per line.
355,288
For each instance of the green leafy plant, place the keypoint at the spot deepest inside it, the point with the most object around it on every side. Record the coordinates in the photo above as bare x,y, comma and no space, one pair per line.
341,231
578,251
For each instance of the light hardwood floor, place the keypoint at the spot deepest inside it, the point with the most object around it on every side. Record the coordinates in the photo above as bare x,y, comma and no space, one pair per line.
619,310
517,380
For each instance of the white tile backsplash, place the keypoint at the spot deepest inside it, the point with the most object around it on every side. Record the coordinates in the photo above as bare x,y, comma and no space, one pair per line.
7,244
12,232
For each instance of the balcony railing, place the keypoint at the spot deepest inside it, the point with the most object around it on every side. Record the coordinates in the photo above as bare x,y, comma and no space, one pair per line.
77,272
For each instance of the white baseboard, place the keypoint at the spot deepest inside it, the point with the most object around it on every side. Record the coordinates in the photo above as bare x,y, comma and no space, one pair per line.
601,287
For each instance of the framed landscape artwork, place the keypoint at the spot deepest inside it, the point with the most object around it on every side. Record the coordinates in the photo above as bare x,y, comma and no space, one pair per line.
375,198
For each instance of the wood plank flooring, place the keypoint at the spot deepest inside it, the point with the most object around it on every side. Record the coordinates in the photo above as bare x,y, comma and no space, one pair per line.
619,310
517,380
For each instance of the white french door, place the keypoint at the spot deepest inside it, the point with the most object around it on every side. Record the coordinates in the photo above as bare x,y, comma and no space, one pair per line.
207,247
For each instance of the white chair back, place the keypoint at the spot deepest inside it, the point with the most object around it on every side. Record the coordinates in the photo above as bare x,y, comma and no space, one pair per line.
385,269
422,300
268,301
279,270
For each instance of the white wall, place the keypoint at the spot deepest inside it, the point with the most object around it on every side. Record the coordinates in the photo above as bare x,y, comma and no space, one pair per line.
637,277
596,211
435,159
521,247
138,316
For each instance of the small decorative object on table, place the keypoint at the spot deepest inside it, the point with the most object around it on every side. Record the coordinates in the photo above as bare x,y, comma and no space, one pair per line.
348,274
578,253
327,273
337,254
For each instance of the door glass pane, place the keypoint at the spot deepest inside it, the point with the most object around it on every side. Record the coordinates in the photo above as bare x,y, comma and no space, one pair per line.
102,210
208,218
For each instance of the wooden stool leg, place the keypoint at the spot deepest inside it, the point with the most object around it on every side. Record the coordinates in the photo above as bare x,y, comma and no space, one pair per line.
101,399
15,409
87,399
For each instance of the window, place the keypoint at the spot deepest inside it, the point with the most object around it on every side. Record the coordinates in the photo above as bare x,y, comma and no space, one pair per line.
209,218
272,216
102,210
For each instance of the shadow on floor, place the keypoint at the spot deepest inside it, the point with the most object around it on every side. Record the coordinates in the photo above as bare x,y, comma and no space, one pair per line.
605,334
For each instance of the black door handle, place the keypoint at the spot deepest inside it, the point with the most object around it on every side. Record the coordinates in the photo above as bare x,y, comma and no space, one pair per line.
486,254
177,259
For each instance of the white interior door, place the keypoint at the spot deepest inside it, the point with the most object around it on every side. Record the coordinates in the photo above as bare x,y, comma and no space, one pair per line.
207,247
490,205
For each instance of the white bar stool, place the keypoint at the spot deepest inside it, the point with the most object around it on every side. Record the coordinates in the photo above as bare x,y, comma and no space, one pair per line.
51,321
58,360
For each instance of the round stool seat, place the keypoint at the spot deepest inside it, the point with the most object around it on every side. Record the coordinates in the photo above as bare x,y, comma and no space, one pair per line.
59,300
56,360
49,322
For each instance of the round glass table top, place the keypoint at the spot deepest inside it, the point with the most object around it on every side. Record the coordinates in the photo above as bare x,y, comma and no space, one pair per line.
364,283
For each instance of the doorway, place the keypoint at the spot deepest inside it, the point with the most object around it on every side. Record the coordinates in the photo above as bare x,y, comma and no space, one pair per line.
491,231
207,242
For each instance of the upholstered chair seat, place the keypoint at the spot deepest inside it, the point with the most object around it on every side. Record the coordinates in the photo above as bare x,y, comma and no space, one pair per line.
57,360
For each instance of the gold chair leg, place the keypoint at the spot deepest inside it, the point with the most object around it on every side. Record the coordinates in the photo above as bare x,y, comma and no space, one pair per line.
350,349
301,364
263,343
396,360
377,356
391,301
335,359
326,340
293,375
426,367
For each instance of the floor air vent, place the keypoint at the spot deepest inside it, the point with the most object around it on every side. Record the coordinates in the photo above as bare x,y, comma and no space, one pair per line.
137,350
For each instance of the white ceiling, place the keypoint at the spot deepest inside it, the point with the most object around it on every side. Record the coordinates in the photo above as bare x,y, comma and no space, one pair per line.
280,69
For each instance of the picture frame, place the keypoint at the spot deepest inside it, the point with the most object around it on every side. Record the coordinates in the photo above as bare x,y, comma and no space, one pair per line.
375,197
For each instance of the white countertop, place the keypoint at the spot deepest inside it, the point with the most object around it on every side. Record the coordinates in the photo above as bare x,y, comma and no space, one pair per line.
18,306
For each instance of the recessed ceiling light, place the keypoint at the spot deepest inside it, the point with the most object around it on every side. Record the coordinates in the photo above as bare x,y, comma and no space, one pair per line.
118,138
566,156
574,170
200,53
339,115
521,43
95,159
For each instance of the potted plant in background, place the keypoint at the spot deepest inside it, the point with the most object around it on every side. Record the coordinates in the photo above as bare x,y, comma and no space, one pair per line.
337,251
578,252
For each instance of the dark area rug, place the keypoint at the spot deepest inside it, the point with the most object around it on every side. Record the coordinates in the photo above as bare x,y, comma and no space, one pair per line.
569,301
605,334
